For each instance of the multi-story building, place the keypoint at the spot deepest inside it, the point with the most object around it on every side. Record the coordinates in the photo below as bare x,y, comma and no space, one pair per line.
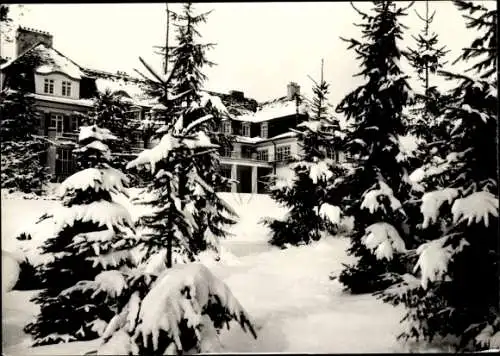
263,139
62,89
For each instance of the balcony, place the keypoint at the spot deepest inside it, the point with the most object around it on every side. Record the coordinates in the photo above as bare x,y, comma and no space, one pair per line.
67,135
245,158
243,155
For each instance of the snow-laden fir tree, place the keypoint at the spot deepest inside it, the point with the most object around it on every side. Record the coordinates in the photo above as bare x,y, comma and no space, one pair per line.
426,58
452,297
423,129
193,109
22,151
83,237
303,186
376,181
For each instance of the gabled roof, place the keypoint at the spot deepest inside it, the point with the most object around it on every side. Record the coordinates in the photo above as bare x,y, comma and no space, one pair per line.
51,61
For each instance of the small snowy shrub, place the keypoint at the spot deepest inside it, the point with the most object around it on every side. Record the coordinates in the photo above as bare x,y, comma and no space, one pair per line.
183,310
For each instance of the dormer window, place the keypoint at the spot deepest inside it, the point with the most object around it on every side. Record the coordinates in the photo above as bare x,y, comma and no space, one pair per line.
263,130
48,86
66,88
245,129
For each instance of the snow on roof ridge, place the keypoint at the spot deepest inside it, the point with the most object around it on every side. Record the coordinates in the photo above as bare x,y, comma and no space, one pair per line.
121,75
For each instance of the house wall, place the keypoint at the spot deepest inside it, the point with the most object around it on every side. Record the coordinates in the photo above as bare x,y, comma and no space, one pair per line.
292,142
58,79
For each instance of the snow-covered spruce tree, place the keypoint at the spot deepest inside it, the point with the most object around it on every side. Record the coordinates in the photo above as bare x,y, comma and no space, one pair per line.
303,189
169,232
423,129
426,59
189,57
87,236
375,186
22,152
452,297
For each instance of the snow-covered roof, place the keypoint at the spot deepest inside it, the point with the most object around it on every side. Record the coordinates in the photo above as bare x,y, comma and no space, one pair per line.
58,99
52,61
273,110
55,61
115,84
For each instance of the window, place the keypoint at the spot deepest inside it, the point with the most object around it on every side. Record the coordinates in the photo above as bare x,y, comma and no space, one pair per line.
225,151
245,129
138,141
283,153
73,124
48,86
226,127
64,162
331,153
263,130
263,155
225,171
66,88
57,124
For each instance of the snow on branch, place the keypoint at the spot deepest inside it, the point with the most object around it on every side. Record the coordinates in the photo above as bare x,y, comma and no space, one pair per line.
111,282
155,154
475,208
371,200
489,338
103,213
330,212
432,202
408,145
109,179
197,122
434,258
320,170
383,239
311,125
215,102
284,178
200,140
95,132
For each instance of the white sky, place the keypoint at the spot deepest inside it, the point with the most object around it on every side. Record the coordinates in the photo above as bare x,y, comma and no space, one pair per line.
260,46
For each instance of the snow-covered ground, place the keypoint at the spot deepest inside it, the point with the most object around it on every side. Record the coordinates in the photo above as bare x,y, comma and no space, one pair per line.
294,304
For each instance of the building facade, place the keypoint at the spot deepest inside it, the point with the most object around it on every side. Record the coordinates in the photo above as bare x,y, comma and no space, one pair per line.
63,90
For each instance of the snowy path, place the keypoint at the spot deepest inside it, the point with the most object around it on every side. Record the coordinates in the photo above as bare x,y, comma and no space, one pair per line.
299,309
294,304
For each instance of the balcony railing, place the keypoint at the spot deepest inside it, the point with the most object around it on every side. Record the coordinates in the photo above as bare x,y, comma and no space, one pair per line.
73,136
244,155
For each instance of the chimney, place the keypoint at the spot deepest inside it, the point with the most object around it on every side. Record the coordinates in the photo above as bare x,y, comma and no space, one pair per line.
293,89
28,37
237,95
